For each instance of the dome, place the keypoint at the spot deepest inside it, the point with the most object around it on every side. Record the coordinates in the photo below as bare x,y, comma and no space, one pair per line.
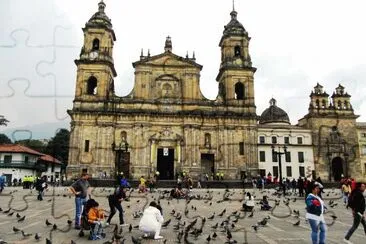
274,114
100,18
234,27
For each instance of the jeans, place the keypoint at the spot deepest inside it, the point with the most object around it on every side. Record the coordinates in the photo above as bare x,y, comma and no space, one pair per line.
345,198
113,204
357,219
79,206
98,229
315,226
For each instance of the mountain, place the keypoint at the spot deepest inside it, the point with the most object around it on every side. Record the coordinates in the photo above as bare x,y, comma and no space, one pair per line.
37,131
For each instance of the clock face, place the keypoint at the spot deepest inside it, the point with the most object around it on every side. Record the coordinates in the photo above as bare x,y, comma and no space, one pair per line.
93,55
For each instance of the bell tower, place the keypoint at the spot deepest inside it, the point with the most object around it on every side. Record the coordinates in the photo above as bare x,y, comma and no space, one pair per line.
235,78
95,66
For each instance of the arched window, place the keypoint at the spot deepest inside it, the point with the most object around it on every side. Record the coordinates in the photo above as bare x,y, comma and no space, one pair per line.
95,44
346,105
207,140
339,105
92,86
239,91
317,103
167,90
324,104
237,51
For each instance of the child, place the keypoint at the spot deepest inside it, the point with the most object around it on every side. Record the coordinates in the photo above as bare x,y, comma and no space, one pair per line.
95,217
142,185
265,204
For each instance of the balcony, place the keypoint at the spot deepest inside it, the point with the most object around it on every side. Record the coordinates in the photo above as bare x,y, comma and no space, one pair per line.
23,165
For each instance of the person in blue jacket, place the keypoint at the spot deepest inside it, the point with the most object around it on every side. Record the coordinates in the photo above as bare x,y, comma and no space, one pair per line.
315,214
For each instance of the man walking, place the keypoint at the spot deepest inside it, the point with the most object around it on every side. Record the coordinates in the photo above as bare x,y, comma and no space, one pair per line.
2,182
357,202
80,189
114,201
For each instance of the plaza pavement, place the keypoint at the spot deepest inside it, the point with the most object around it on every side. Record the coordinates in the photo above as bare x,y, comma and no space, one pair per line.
58,207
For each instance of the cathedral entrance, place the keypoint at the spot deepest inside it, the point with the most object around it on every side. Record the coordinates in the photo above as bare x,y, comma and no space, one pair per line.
123,163
337,168
165,163
207,163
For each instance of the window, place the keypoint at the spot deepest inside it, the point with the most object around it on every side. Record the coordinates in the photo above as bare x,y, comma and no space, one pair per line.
302,171
274,157
274,140
262,156
239,91
300,156
287,140
92,86
208,141
95,45
288,171
237,51
275,171
241,148
363,150
26,159
86,146
262,140
299,140
7,159
288,157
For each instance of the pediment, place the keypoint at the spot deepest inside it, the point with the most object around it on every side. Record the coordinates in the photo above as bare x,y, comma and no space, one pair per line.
167,59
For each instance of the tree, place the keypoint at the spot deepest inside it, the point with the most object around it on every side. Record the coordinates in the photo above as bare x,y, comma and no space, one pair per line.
58,146
3,121
4,139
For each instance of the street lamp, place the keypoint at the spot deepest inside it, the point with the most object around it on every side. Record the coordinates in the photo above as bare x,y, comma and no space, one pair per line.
279,154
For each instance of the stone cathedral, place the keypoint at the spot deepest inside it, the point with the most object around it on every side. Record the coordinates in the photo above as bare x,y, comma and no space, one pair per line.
165,124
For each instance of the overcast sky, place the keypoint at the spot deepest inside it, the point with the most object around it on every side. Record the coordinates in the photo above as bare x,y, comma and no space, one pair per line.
294,45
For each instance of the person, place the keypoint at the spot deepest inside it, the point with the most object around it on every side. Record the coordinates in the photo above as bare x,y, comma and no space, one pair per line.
41,185
315,214
346,190
176,192
151,221
300,185
114,201
95,217
248,205
357,203
199,186
142,185
80,189
151,184
124,183
2,182
264,204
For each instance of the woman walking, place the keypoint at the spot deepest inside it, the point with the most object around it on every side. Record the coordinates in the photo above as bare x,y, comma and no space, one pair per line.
315,211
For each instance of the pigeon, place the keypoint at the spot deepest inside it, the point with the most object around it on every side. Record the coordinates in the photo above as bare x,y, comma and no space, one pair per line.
7,211
21,219
130,228
334,217
49,200
208,239
1,209
214,235
11,214
72,242
48,223
69,221
166,223
228,234
135,240
172,212
18,215
294,199
297,223
179,236
255,227
15,229
215,226
212,216
263,222
54,227
48,241
37,237
25,234
251,214
81,233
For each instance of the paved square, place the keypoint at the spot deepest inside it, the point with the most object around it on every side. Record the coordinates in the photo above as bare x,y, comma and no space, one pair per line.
57,207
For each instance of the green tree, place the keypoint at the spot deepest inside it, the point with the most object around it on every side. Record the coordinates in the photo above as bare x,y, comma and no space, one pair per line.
4,139
3,121
33,144
58,146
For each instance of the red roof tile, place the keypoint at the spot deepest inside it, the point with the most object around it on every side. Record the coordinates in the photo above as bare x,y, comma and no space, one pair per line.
49,158
15,148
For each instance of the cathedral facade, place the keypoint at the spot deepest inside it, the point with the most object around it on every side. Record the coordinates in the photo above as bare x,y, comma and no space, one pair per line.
165,124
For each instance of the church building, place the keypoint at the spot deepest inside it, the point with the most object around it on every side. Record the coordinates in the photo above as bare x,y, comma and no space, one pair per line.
165,124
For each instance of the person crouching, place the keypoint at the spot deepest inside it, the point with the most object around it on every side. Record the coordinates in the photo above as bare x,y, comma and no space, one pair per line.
151,221
95,217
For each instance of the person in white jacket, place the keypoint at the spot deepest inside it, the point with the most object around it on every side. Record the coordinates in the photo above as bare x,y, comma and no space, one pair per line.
151,221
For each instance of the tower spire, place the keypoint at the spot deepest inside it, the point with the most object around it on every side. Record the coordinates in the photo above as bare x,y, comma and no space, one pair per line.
168,44
101,7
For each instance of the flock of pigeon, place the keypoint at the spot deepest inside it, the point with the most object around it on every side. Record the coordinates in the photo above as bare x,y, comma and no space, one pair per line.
192,219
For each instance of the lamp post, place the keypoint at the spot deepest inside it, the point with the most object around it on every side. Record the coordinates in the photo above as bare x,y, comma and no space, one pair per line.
279,154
